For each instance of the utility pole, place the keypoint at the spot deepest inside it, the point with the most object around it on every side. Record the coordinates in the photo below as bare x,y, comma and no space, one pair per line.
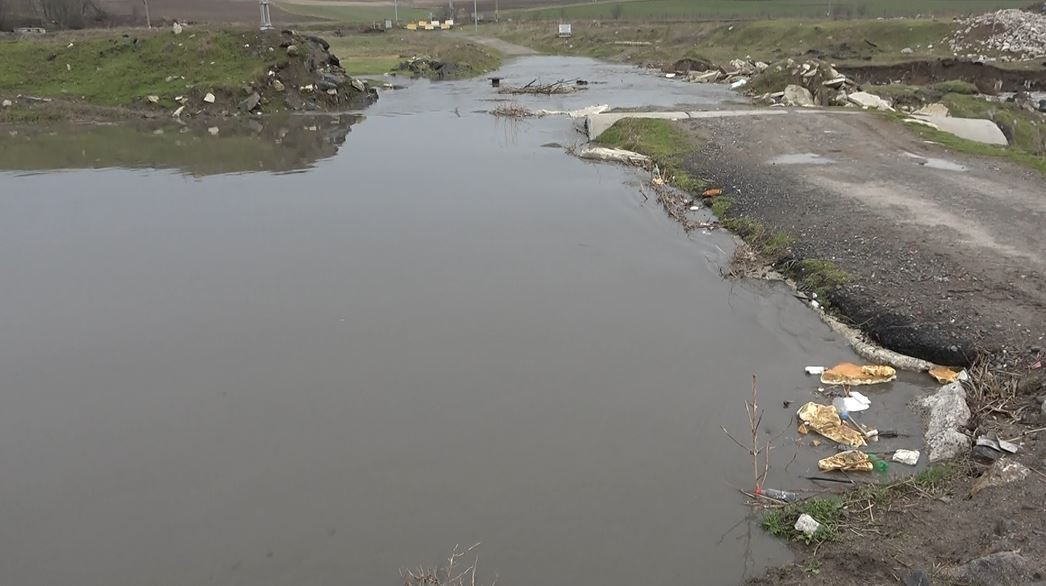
475,15
266,18
396,11
148,20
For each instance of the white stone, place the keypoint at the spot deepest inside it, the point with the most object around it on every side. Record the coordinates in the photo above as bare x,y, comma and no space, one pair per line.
209,98
797,95
937,109
807,525
7,103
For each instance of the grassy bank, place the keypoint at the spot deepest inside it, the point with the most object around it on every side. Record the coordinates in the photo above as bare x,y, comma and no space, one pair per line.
121,70
669,146
375,54
354,14
646,10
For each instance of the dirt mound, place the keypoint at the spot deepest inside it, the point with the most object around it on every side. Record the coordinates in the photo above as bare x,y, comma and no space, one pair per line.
1012,34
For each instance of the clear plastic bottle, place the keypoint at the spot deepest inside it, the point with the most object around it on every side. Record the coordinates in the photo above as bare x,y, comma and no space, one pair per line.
773,493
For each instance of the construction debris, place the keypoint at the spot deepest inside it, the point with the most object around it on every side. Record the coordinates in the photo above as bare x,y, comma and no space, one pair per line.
909,457
849,374
614,156
557,88
807,525
949,414
824,419
1011,35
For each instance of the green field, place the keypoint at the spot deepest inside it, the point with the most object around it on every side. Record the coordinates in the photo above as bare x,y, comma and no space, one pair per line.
355,14
760,9
375,54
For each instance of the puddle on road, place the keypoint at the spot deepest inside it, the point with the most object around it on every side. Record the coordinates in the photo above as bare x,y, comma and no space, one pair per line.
935,163
801,159
440,334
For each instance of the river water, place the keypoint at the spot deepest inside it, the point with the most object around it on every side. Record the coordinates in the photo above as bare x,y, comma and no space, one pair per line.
225,363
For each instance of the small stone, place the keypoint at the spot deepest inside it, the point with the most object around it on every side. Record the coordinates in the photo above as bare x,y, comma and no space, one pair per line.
278,85
214,130
293,51
209,98
251,102
176,28
178,112
1007,567
1004,527
807,525
916,578
358,85
153,99
7,103
906,51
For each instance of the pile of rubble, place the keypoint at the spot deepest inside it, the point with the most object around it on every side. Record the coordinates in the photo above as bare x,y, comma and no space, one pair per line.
424,66
737,72
1014,34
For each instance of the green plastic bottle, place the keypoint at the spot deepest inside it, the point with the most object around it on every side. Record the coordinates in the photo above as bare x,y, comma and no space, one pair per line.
878,464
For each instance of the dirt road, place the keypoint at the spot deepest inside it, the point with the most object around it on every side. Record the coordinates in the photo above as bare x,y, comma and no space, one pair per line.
945,250
506,48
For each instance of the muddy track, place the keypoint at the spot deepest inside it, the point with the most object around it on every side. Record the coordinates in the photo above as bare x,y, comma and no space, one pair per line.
943,250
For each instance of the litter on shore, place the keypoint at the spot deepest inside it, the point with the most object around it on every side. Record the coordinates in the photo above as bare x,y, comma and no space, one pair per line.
849,374
851,460
825,420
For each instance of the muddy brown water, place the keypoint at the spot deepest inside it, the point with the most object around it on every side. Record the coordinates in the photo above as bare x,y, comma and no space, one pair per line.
439,333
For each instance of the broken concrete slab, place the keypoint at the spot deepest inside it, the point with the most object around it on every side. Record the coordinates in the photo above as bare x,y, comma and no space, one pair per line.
975,129
935,109
870,101
614,156
948,414
597,124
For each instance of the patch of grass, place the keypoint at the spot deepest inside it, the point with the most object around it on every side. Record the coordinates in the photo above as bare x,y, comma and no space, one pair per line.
931,478
828,511
687,182
661,140
820,276
955,86
376,54
120,70
721,205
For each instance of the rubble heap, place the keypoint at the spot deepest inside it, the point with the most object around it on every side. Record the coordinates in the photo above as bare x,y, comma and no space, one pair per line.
1016,34
699,71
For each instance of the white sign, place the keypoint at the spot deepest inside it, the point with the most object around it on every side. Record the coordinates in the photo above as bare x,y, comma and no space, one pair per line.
564,30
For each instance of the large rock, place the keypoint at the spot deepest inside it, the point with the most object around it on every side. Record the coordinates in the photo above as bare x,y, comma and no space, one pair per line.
998,569
871,101
797,95
1003,471
948,414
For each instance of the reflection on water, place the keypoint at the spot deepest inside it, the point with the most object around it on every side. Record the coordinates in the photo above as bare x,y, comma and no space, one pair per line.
278,144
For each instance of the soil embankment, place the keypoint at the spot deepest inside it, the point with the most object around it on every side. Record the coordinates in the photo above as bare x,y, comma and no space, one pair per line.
943,251
987,78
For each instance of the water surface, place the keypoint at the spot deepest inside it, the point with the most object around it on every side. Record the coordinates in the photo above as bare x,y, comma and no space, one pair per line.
439,333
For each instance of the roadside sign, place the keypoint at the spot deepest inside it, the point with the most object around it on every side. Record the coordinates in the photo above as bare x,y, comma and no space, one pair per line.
564,31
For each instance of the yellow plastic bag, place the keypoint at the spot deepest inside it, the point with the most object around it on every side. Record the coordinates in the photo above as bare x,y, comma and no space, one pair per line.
824,419
846,373
851,461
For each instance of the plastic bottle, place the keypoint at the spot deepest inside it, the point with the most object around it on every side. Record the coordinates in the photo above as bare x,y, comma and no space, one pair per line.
878,464
773,493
